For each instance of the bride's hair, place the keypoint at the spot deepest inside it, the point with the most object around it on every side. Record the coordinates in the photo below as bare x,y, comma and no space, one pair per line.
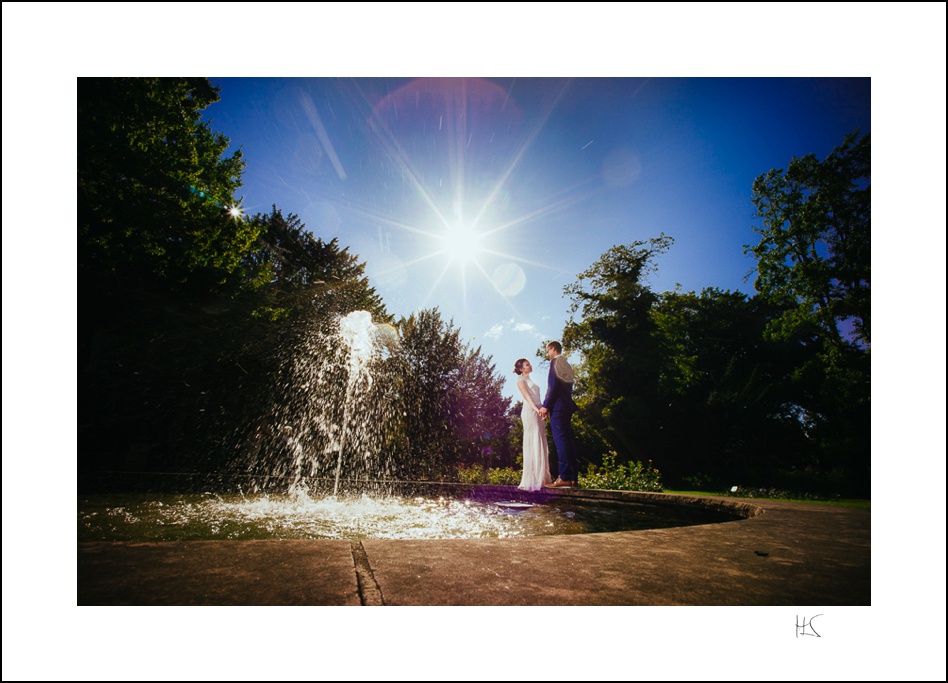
518,365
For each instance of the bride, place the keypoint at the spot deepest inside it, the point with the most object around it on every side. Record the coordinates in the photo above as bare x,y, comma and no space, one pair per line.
536,458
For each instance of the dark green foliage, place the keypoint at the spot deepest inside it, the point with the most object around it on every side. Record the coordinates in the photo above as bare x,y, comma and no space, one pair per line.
767,390
184,308
158,265
450,396
813,261
814,253
287,260
631,476
725,406
495,476
154,187
611,326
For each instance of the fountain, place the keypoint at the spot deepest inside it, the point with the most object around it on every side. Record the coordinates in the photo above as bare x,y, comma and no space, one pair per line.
328,418
357,332
334,412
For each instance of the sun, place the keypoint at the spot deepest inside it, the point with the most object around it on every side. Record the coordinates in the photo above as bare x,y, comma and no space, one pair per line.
461,243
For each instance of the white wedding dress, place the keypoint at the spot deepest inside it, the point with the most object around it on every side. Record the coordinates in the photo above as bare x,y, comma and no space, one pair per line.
536,456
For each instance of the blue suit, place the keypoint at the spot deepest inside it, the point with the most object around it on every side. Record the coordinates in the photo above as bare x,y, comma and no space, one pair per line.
559,402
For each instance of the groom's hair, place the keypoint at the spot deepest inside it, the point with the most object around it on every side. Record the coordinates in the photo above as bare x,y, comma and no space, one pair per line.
555,345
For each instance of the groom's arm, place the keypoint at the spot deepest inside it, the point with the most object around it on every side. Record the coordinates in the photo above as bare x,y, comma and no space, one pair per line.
552,387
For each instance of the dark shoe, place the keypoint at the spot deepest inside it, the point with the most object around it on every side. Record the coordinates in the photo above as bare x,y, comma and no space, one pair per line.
559,484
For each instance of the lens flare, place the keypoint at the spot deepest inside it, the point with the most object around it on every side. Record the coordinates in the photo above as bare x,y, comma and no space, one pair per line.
509,279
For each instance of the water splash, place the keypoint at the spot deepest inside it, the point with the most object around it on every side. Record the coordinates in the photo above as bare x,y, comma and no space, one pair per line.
357,331
299,514
328,415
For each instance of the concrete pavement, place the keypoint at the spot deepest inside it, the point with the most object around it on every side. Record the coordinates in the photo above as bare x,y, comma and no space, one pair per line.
778,553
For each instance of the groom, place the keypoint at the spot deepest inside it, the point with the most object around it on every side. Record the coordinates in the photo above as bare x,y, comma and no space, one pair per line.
559,405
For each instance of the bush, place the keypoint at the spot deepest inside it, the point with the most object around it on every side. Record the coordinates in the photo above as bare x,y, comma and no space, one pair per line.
476,474
778,494
506,475
472,475
633,476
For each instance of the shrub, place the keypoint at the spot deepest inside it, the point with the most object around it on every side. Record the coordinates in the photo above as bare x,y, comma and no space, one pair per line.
778,494
633,476
472,475
477,474
506,475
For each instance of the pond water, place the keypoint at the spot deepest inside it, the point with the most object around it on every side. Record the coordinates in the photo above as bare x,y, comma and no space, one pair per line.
214,516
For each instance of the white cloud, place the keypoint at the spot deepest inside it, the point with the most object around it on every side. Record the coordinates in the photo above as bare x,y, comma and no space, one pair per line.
498,329
495,331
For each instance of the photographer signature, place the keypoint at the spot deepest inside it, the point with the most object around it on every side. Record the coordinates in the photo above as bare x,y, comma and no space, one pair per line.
804,625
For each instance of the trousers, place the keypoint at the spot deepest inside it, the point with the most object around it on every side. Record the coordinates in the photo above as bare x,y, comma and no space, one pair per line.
565,443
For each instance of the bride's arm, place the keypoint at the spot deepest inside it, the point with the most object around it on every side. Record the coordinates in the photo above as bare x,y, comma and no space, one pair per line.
526,396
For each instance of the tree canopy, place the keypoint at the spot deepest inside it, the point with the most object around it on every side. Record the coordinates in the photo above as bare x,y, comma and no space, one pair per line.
717,386
193,317
155,188
813,262
813,256
451,396
287,263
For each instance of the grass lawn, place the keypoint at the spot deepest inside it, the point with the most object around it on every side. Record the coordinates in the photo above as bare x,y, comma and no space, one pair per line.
842,502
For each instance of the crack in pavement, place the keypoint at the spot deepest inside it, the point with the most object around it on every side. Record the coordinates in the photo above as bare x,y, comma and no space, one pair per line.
369,592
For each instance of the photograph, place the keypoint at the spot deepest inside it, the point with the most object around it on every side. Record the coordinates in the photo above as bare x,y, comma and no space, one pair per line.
454,307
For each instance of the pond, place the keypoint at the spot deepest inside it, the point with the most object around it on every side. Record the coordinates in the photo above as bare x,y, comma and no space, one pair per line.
301,515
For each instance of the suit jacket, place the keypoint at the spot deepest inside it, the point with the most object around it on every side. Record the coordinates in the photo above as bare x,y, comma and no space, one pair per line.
559,387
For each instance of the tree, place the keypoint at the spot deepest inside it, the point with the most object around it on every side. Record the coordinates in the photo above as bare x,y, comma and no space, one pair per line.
429,360
286,329
611,326
814,251
770,389
813,262
186,308
683,379
480,410
727,408
449,395
155,191
288,260
157,250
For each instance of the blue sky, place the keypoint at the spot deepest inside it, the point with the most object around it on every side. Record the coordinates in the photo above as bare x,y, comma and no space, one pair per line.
483,197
